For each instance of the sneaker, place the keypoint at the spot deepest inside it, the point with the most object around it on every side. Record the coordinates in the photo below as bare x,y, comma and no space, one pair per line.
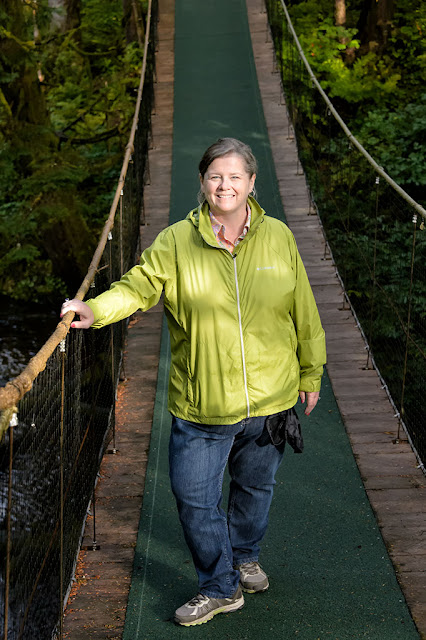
202,608
252,578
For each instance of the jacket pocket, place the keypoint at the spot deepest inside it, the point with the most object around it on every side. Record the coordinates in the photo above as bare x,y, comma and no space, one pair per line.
189,389
293,341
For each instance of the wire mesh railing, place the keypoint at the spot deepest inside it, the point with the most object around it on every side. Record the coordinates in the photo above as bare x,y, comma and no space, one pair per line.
375,233
57,417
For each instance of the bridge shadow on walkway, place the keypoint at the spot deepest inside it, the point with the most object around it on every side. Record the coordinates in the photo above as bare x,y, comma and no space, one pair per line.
330,574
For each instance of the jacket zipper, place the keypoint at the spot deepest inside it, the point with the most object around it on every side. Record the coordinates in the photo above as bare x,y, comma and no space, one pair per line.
241,335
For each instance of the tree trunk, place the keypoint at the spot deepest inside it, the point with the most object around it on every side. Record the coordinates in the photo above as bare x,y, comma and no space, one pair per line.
73,10
340,21
67,239
133,22
374,25
340,13
23,94
58,15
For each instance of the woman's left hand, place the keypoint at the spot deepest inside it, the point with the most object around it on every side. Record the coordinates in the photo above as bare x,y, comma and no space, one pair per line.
311,398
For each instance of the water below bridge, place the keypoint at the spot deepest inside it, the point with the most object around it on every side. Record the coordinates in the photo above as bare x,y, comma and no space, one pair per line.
24,327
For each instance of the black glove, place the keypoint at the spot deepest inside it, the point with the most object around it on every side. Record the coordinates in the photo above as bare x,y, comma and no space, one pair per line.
285,427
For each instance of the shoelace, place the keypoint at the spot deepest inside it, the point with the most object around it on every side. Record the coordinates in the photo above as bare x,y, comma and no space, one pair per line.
251,568
197,601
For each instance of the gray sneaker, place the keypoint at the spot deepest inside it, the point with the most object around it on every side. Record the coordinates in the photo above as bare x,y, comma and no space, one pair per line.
201,608
252,578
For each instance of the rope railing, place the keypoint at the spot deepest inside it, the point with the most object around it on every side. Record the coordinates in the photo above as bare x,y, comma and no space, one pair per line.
374,232
58,415
16,388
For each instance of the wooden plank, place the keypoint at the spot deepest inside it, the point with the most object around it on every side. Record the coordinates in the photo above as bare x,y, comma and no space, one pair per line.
387,468
97,606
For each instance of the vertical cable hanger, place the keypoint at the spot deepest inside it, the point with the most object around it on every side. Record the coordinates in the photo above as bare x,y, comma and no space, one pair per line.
114,449
121,374
13,423
407,334
61,491
94,546
368,364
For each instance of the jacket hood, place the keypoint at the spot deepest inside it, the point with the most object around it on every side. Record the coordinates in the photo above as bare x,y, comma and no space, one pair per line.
200,218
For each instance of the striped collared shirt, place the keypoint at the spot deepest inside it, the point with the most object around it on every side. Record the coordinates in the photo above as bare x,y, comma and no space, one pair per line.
219,232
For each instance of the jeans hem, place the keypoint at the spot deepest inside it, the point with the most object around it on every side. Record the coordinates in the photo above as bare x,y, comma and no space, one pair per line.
211,594
245,560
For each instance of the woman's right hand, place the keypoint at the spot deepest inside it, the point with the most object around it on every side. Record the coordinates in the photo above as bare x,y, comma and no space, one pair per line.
84,311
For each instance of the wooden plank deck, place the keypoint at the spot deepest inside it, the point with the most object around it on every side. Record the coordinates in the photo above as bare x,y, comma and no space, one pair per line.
396,487
97,606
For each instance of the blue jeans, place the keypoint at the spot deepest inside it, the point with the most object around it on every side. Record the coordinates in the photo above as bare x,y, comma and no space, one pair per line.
198,455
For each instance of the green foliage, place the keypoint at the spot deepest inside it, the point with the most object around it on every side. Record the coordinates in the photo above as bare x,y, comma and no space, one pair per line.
380,94
364,78
397,140
379,251
61,140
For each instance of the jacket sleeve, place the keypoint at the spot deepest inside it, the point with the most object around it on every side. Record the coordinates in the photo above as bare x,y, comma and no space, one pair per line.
139,288
311,350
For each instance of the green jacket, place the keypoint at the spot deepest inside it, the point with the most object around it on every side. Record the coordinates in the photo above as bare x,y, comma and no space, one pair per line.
244,328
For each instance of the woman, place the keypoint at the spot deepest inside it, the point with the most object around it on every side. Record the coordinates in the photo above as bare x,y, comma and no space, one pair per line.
246,341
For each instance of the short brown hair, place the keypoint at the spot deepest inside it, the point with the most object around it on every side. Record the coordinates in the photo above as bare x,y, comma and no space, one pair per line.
225,146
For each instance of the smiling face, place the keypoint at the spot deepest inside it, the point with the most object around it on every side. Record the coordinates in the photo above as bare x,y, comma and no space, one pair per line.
226,185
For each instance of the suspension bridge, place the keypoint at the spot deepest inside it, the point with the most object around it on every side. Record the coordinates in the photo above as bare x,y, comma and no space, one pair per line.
88,522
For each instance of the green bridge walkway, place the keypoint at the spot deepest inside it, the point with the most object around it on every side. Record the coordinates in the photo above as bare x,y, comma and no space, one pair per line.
330,574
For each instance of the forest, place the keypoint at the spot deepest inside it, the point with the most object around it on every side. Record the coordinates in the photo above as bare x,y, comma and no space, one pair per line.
370,57
69,72
68,77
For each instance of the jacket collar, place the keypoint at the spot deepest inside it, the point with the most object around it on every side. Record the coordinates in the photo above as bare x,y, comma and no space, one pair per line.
201,220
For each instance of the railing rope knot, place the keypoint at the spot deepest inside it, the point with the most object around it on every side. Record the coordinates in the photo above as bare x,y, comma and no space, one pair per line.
8,418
